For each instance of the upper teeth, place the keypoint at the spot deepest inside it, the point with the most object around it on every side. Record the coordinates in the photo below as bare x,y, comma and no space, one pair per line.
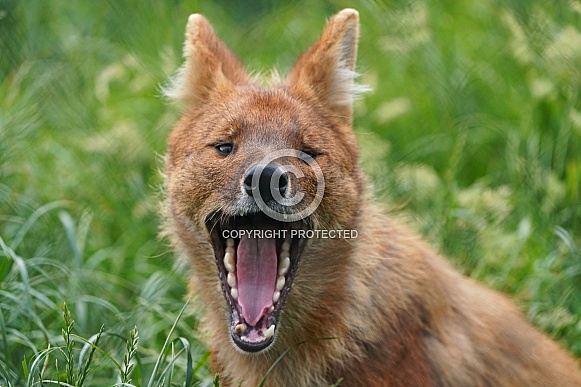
230,265
231,280
283,266
285,246
229,261
280,283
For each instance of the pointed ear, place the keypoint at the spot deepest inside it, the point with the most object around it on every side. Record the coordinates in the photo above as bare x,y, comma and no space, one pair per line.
326,71
209,67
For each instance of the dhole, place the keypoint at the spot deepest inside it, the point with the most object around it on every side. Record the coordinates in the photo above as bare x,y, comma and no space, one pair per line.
399,315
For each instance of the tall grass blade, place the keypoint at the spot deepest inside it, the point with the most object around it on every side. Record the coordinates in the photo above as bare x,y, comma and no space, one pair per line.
36,364
163,348
85,370
32,219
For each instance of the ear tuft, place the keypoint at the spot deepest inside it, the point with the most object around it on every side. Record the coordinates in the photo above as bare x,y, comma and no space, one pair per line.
326,71
196,24
348,43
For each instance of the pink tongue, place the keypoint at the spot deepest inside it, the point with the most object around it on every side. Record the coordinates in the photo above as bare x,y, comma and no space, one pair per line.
256,274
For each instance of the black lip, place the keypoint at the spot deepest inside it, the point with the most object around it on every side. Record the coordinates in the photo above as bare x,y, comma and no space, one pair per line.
219,222
250,347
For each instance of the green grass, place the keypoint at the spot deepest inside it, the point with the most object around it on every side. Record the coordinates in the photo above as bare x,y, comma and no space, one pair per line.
473,132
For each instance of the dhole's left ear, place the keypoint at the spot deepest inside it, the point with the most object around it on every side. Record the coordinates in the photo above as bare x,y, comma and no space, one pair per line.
326,71
209,67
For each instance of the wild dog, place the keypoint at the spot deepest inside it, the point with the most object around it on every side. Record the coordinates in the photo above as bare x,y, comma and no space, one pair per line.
397,313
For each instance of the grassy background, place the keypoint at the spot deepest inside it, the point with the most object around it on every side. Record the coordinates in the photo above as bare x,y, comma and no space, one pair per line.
473,131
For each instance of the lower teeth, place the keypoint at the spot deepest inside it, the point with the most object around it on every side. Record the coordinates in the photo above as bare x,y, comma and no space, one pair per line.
269,332
240,328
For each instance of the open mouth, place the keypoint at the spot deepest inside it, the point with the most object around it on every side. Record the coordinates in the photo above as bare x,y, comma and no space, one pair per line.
257,259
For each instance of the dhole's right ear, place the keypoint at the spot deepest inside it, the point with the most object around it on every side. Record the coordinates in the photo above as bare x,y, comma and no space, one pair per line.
209,67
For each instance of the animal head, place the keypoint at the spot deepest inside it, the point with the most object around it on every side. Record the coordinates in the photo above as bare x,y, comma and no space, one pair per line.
279,159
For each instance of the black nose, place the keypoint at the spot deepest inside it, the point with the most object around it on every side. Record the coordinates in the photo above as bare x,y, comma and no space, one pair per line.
264,179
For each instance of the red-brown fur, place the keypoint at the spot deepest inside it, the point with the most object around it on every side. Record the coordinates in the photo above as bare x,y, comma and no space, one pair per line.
400,315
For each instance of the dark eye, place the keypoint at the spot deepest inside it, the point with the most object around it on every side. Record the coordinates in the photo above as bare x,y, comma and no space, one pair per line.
310,152
224,149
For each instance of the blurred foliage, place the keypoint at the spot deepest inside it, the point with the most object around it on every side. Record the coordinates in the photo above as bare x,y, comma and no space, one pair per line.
473,132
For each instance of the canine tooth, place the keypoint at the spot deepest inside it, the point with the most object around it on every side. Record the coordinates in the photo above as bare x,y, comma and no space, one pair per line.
230,249
279,282
285,248
271,309
232,280
230,242
234,293
283,266
269,332
229,262
275,296
240,328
